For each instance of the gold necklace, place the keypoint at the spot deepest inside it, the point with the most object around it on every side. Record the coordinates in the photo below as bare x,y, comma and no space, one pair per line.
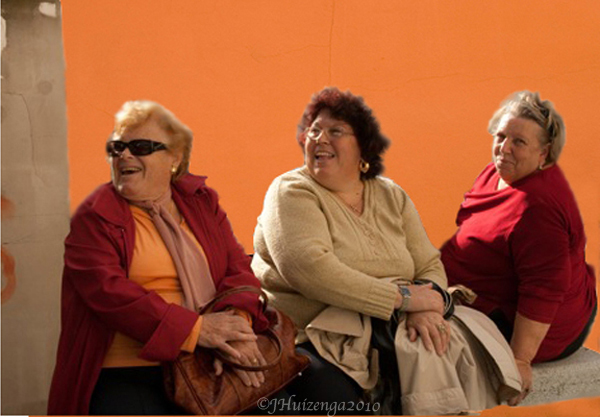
355,207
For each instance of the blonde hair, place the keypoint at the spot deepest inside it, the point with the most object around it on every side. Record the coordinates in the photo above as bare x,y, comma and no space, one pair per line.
137,112
528,105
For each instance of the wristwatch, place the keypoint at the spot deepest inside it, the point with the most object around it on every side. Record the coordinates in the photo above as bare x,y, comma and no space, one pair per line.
405,293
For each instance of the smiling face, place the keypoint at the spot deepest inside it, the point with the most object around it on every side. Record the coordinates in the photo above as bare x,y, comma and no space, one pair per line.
517,151
333,161
148,177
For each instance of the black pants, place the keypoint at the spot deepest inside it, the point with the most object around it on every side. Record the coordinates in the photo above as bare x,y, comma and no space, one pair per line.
325,384
140,391
131,391
323,387
387,392
506,328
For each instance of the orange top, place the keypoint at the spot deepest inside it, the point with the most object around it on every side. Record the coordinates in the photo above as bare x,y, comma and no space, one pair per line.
152,268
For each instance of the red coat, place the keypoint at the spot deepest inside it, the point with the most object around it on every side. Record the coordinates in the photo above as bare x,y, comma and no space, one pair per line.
99,299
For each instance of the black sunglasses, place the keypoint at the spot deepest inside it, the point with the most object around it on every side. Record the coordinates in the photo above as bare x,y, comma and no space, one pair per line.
137,147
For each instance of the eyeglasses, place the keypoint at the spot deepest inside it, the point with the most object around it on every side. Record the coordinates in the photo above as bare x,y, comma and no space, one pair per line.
137,147
315,132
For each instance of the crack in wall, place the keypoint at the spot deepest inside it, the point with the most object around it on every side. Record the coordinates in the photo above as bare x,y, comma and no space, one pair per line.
31,139
473,80
331,41
259,57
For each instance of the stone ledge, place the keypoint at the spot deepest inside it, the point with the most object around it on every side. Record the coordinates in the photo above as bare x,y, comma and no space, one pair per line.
577,376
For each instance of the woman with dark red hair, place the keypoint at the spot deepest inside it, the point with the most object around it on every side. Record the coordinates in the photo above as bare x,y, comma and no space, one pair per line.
343,252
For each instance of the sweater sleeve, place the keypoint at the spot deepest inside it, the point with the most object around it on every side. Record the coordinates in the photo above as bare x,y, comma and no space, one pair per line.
425,256
297,239
540,249
96,270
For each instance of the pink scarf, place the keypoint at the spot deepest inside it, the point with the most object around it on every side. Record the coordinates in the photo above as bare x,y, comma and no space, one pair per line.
189,259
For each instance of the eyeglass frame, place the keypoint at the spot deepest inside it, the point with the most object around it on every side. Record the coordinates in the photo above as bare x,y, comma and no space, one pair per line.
154,147
327,131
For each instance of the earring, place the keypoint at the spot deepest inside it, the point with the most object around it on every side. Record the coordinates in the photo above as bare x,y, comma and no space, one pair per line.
173,169
541,166
364,166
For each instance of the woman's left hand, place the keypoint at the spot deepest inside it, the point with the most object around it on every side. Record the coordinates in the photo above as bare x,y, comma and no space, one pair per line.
250,356
526,381
433,329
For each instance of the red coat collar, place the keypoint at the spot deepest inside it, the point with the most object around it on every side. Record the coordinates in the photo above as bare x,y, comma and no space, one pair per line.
190,184
106,198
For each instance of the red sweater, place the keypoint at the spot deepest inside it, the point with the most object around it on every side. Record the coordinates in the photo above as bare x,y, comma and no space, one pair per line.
99,299
522,249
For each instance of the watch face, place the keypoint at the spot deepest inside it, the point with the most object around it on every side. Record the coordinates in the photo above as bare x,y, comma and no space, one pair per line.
405,292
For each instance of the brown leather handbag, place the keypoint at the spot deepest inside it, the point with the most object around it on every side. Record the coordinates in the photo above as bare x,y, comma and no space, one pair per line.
191,383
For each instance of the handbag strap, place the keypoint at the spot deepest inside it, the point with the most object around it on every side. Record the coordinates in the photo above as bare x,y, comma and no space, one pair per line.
208,307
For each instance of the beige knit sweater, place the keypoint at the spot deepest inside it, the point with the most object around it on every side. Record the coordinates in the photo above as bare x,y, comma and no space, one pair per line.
312,251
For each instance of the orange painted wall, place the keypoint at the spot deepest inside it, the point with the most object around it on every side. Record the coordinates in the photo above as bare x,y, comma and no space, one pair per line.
239,73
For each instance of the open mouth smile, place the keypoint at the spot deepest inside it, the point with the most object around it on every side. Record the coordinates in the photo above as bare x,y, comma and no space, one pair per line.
322,155
129,170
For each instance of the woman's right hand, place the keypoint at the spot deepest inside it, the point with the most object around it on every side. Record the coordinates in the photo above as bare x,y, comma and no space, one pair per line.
422,298
220,328
251,356
432,328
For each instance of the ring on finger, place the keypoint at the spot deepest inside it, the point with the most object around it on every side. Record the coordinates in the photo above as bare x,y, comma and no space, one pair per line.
441,327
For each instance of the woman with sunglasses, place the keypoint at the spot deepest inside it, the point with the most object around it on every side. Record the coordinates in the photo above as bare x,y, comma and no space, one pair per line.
145,251
342,251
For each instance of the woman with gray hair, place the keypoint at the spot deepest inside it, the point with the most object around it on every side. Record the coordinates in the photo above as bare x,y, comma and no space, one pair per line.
520,243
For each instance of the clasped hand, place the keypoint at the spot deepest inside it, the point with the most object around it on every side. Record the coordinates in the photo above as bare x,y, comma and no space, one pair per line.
425,318
234,337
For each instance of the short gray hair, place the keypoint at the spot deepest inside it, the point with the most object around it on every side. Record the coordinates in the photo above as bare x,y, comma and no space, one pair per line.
528,105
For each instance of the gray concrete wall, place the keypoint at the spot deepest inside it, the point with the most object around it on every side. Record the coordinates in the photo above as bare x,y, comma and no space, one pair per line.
35,197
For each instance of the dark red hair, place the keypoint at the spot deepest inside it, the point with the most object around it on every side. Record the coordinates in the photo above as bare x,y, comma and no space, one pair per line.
352,110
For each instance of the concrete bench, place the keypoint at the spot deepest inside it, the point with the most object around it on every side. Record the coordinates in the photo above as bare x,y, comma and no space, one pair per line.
577,376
